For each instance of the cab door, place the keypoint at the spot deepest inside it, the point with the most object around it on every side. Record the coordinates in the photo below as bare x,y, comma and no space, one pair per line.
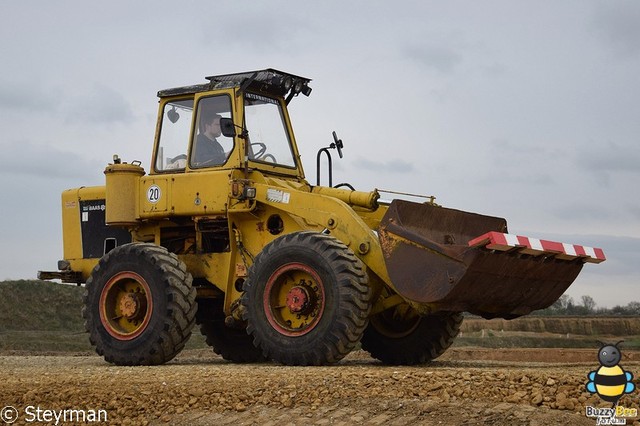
192,160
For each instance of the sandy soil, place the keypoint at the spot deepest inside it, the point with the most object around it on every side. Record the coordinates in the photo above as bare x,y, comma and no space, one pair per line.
465,386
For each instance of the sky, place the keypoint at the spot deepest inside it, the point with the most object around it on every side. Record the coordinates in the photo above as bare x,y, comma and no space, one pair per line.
527,110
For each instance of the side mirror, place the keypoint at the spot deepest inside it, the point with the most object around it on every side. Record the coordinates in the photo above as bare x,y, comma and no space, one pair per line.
227,127
337,144
173,115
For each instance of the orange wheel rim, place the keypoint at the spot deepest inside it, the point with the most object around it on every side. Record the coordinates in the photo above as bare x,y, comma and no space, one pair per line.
126,305
294,299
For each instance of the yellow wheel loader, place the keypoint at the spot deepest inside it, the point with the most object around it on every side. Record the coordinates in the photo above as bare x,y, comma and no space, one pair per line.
224,231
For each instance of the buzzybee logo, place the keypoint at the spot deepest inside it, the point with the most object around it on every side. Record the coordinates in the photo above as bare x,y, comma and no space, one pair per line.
610,382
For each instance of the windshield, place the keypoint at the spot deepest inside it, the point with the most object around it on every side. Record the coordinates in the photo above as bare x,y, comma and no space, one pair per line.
268,136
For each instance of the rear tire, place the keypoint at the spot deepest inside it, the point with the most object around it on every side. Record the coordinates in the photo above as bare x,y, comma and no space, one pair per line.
232,344
306,299
139,305
399,336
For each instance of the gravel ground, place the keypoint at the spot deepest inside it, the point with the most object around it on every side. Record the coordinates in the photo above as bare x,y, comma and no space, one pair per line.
199,388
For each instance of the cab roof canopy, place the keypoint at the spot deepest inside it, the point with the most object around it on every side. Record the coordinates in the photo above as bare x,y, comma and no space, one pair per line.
268,81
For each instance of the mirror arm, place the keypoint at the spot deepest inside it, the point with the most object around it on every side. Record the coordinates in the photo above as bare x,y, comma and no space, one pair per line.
318,157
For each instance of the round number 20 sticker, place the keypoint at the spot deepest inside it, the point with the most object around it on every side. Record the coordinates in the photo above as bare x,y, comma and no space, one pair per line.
153,194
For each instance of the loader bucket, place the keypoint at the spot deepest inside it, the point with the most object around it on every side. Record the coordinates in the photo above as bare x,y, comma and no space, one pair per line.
443,259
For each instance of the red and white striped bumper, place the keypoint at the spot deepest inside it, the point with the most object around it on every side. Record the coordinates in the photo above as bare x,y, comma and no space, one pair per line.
536,247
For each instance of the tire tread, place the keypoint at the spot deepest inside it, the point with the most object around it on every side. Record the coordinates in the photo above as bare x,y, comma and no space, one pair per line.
178,319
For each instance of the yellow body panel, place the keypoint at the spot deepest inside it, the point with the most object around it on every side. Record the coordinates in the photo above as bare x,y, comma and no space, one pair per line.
154,197
334,215
71,242
71,223
214,267
200,195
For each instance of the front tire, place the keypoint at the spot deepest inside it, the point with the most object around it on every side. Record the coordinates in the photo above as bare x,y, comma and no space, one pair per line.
306,300
139,305
399,336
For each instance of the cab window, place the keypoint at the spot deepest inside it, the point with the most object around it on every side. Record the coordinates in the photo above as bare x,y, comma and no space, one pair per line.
174,136
210,146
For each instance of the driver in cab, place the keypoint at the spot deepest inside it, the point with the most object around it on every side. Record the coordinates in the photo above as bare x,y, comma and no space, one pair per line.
208,151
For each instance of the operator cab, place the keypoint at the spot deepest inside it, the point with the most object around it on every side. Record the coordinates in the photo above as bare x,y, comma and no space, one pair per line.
234,121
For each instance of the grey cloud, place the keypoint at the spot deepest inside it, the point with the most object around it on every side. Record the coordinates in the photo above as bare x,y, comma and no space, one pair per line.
99,104
22,158
507,163
580,210
513,177
392,166
508,149
441,59
634,210
25,97
616,23
265,32
610,158
597,213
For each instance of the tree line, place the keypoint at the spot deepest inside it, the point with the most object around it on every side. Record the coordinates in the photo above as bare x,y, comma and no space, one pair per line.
565,305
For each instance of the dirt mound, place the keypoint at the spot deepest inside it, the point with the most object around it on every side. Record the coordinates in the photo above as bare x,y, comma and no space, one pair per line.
585,326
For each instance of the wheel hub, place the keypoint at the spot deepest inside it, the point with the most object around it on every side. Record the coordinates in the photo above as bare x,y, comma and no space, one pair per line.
294,299
125,305
132,305
298,299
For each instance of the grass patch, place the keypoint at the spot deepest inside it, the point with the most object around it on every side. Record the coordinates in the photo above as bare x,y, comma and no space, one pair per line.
44,341
40,305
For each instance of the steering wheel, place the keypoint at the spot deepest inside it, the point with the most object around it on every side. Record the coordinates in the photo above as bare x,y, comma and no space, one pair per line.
269,157
177,162
262,149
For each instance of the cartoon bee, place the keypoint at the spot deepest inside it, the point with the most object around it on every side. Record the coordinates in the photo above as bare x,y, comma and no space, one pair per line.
610,381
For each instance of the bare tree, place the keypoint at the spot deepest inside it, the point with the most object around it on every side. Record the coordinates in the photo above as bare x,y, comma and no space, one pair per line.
562,303
588,303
